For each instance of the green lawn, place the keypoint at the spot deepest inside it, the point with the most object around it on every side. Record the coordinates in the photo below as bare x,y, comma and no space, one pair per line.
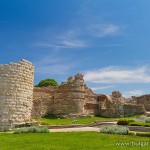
51,120
71,141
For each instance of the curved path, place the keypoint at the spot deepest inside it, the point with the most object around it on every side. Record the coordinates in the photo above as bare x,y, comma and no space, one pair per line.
96,129
75,128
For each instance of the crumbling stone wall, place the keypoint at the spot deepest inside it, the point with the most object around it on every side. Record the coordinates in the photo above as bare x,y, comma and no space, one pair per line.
91,105
16,93
110,107
115,106
43,100
69,98
133,109
142,100
74,98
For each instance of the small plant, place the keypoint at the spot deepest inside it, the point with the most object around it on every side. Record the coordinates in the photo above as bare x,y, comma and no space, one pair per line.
147,119
124,121
114,130
31,130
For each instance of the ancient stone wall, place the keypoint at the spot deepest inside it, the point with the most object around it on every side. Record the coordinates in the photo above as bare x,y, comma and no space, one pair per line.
74,98
69,98
110,107
91,105
143,100
133,109
115,106
43,100
16,93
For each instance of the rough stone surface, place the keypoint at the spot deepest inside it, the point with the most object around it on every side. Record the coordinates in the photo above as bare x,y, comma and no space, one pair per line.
143,100
73,98
110,106
16,93
19,102
43,101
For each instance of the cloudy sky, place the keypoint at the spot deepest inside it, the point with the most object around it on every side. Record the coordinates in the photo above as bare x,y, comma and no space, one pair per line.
106,40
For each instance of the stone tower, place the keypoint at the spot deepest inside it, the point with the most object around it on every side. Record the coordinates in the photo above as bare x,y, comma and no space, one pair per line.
69,97
16,93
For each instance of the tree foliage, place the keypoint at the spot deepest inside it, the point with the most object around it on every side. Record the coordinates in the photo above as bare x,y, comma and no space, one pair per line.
47,82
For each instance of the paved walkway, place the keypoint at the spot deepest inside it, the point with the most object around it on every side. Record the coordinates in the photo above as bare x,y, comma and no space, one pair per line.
96,129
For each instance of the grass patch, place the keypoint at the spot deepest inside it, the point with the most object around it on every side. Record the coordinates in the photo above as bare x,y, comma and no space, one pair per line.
144,134
53,120
140,124
69,141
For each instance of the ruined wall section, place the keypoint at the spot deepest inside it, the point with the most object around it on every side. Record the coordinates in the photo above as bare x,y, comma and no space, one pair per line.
69,98
43,100
16,93
133,109
142,100
110,107
115,106
91,102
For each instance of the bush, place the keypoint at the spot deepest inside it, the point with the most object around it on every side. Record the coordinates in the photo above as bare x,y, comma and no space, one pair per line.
31,130
124,121
147,119
114,130
47,82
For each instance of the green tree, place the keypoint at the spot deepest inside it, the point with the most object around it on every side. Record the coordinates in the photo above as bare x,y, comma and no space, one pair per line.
47,82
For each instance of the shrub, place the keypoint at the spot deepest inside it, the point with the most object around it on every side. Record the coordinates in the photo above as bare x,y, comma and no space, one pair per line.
31,130
124,121
114,130
147,119
47,82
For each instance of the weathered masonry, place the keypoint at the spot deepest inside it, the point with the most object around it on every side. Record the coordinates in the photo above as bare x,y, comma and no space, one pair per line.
143,100
20,102
74,99
16,93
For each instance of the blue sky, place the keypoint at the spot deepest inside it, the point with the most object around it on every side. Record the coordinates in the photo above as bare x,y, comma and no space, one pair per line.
108,41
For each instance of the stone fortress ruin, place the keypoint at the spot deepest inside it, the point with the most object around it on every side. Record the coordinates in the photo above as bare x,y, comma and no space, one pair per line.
20,101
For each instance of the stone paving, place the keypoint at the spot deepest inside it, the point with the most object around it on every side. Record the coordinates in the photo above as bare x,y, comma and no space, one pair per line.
96,129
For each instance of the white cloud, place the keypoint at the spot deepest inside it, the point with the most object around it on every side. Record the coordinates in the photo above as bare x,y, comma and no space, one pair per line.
102,30
53,65
128,94
118,75
101,88
68,39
